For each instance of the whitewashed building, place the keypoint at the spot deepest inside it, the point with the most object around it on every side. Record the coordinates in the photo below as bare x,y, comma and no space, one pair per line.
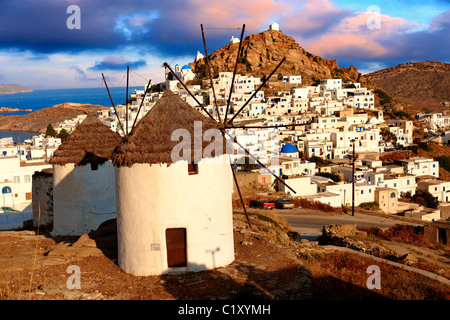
173,214
83,179
419,166
15,181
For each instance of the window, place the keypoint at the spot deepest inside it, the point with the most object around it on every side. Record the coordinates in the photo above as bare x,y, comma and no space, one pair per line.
6,190
27,179
94,166
16,179
193,168
393,195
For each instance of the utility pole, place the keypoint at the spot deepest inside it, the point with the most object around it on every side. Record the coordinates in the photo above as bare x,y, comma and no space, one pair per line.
353,177
126,101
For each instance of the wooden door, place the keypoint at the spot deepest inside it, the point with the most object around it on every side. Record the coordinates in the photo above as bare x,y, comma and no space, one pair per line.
176,247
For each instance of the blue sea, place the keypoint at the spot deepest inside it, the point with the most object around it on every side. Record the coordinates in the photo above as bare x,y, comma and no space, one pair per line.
39,99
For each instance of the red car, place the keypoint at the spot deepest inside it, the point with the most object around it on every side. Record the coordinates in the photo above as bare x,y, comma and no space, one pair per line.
264,203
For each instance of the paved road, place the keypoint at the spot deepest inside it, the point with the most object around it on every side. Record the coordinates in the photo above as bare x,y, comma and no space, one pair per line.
310,226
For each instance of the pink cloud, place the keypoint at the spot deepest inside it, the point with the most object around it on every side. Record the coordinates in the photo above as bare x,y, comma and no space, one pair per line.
357,35
233,13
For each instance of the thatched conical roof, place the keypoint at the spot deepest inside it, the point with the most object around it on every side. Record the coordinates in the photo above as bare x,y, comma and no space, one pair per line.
150,141
90,142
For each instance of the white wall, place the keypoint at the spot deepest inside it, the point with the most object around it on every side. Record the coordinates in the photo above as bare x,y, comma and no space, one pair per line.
152,198
82,198
18,178
301,185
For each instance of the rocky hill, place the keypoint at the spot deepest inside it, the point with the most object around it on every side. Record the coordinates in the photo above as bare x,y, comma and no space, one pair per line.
424,85
37,121
261,53
10,88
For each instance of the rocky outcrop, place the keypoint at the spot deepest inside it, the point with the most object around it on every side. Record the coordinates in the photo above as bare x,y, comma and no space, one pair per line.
261,53
347,235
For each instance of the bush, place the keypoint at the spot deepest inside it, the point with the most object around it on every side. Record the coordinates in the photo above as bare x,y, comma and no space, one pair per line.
384,97
424,146
400,232
330,175
400,114
444,162
319,160
316,205
372,205
426,199
415,149
242,60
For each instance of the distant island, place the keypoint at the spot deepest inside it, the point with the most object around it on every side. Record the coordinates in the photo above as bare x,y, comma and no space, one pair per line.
38,120
11,88
5,109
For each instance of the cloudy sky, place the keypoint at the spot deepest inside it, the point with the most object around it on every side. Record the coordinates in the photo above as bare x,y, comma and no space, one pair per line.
48,44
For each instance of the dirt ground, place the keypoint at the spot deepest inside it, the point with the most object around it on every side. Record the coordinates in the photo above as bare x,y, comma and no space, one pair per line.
269,263
36,267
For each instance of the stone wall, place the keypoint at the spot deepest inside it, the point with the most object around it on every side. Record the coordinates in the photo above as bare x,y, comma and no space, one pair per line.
42,199
438,232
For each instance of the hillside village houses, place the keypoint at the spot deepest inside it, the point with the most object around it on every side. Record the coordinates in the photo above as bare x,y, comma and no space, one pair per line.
320,121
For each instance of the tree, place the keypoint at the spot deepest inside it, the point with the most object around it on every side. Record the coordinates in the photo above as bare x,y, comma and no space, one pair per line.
50,132
425,198
63,134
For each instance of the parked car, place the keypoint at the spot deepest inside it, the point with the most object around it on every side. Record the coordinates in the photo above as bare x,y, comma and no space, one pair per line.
284,203
263,202
7,210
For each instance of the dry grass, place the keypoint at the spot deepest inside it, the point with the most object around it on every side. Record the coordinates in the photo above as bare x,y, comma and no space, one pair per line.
401,233
340,275
266,215
5,293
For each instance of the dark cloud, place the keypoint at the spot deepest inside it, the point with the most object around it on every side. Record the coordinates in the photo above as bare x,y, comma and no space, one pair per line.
113,63
172,28
41,26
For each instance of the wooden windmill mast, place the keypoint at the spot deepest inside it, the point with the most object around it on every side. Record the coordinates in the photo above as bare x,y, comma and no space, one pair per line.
228,124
